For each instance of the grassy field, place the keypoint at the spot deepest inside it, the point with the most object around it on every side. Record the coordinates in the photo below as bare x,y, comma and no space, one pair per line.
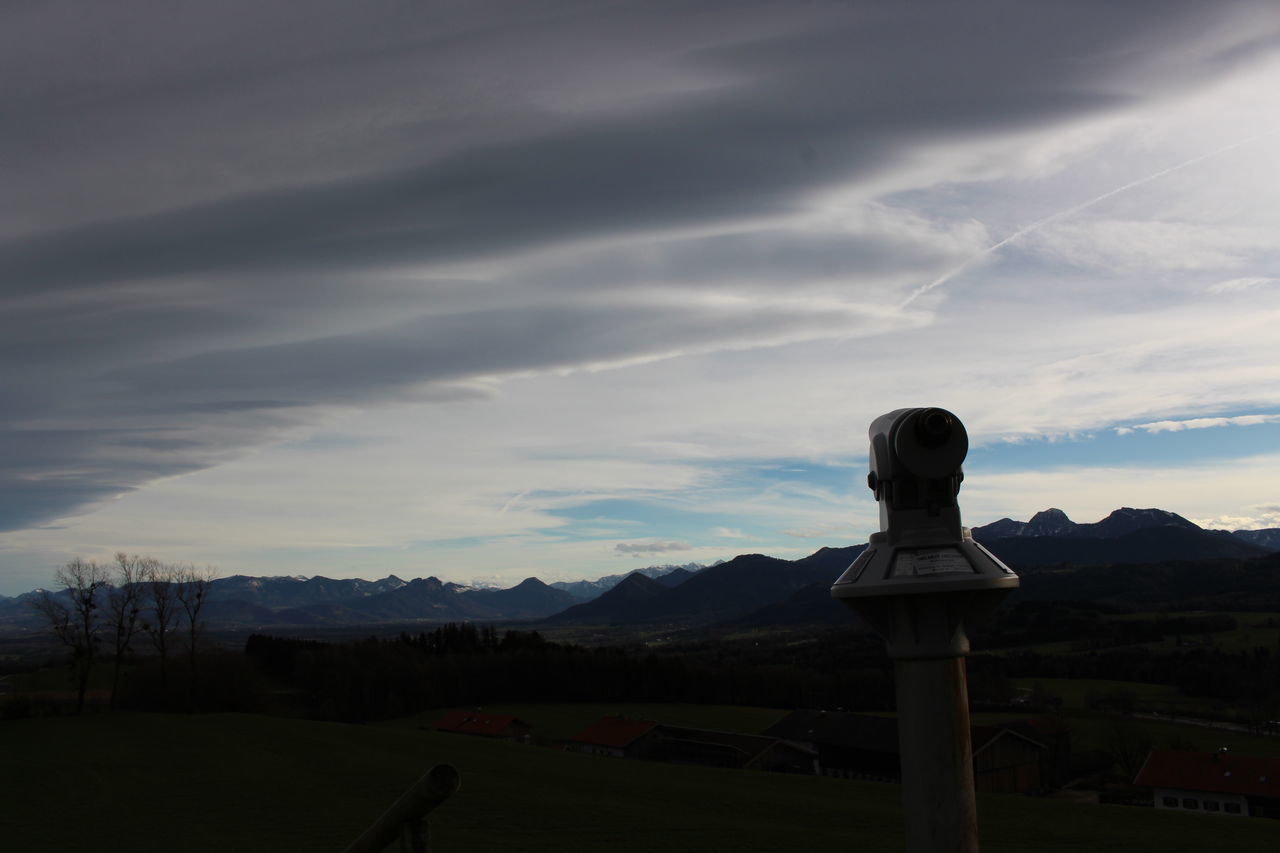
1093,730
1075,691
139,782
561,722
1251,632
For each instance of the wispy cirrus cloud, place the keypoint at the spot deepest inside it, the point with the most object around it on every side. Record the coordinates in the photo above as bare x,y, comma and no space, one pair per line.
1234,285
1200,423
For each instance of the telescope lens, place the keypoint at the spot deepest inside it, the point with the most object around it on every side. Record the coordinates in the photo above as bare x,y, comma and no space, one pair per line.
933,427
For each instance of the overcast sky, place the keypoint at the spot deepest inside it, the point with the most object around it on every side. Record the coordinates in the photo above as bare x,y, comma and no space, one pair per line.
486,290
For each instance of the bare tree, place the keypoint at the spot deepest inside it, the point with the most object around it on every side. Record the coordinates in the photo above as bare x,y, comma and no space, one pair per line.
192,591
1128,747
124,610
75,621
159,594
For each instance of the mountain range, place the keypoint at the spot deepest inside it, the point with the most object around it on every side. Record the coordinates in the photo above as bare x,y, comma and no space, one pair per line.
741,585
667,575
749,589
1125,536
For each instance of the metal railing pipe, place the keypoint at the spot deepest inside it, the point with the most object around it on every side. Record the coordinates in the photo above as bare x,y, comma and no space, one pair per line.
405,817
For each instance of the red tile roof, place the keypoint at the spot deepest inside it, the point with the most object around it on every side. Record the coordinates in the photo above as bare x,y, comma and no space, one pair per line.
478,723
616,732
1219,772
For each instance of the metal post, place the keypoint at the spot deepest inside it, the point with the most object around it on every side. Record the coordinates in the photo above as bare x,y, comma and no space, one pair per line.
937,756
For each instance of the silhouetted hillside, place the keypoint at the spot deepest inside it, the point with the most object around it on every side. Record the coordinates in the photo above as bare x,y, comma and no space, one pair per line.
1165,567
1054,522
365,602
275,593
621,605
1269,538
728,590
807,606
420,599
587,590
1144,545
530,599
833,560
1058,538
1219,583
238,612
751,589
674,578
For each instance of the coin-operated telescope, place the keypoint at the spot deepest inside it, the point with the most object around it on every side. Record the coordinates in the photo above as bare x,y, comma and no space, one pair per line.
921,583
922,579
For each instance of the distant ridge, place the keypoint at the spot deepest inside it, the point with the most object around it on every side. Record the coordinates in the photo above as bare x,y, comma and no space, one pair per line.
1054,522
277,592
1127,535
669,575
728,590
419,599
623,603
1132,555
530,599
1269,538
675,578
751,589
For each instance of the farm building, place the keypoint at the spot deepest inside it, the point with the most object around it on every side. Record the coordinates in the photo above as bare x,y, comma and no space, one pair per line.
1217,783
482,724
617,736
1006,761
1055,735
1022,757
848,745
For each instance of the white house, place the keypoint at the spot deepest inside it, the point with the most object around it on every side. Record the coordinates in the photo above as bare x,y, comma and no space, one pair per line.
1214,783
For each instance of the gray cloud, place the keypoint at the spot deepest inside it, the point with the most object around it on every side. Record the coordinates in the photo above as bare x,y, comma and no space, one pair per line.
455,346
637,549
220,221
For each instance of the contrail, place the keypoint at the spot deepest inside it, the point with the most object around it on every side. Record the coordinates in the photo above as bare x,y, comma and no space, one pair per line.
1022,232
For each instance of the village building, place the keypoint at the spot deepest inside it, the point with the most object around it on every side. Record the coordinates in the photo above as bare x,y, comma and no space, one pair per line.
848,746
483,724
1028,756
1055,735
1006,761
1214,783
617,736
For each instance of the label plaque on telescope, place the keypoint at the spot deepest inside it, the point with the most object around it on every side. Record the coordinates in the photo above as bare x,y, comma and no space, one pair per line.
931,561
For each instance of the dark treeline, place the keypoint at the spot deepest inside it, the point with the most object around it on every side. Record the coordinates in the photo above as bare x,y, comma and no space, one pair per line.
1246,678
1092,625
468,665
459,665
